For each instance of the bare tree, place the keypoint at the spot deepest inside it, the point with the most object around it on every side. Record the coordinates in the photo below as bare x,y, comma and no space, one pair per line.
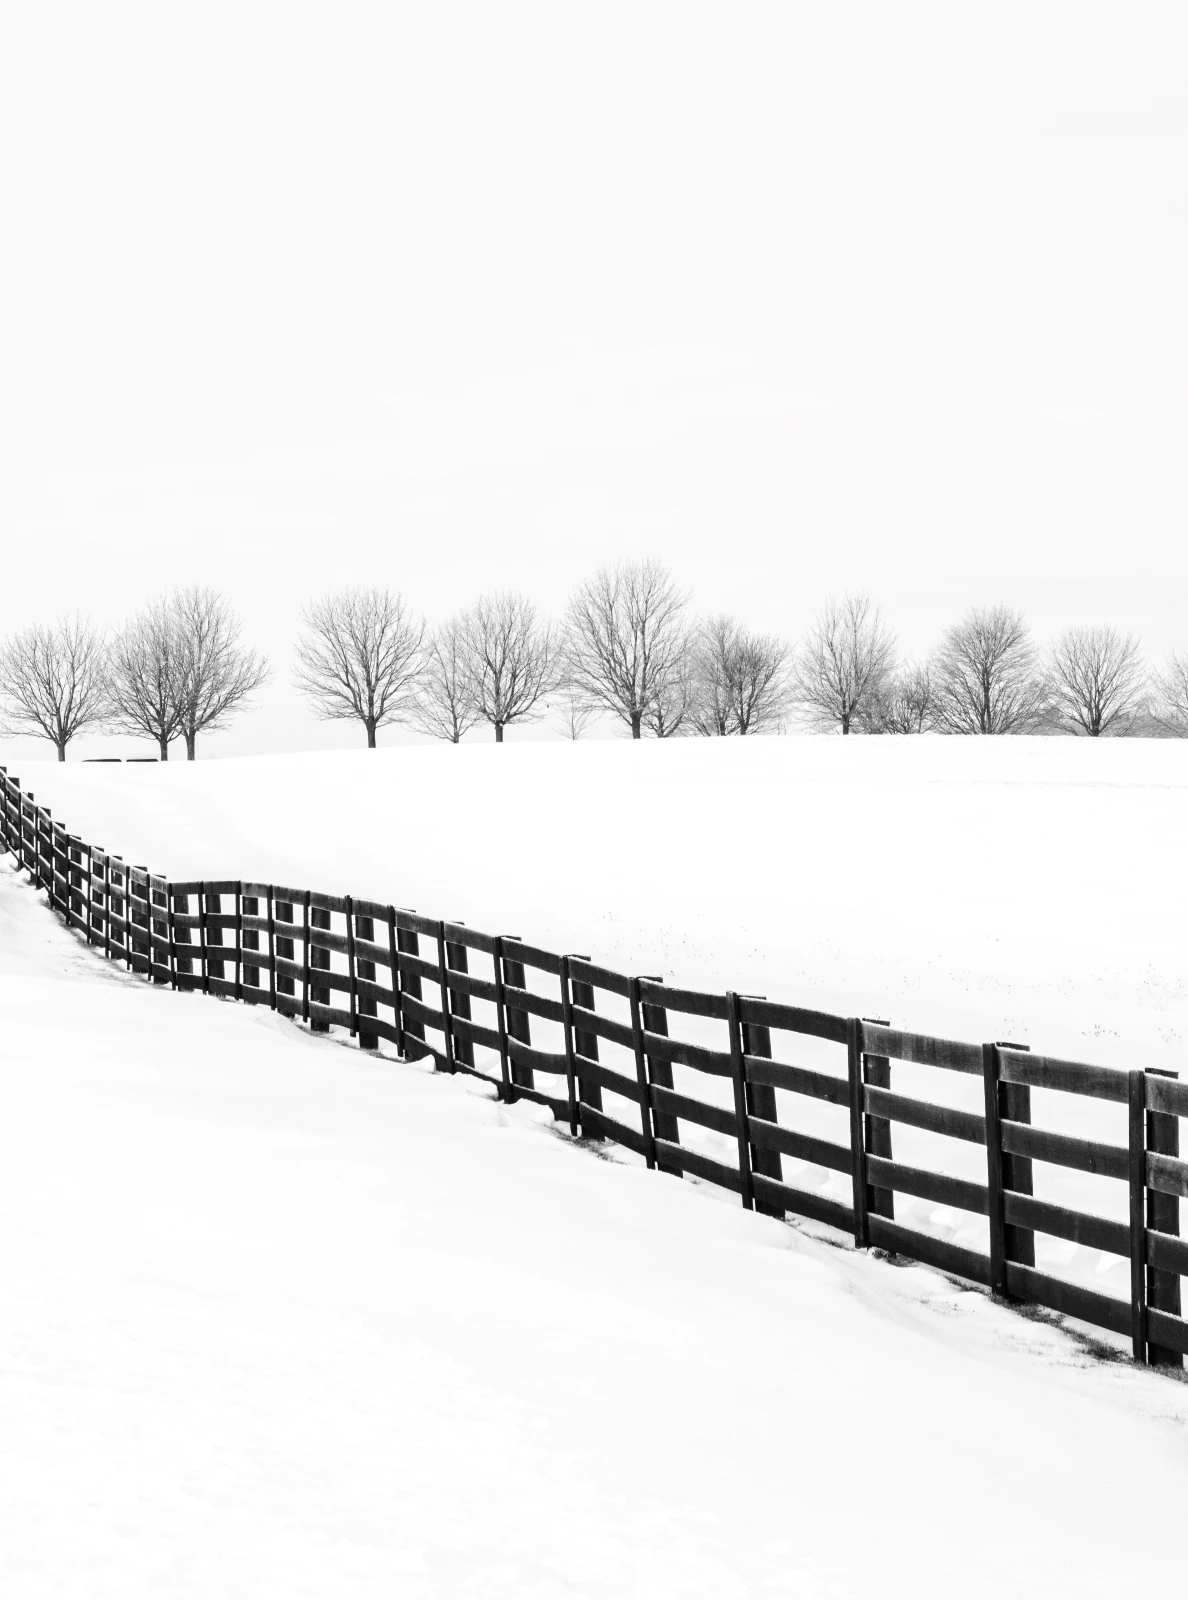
671,713
904,705
844,664
445,704
217,674
145,676
360,657
627,644
575,710
986,675
743,679
1098,680
514,659
53,681
1169,701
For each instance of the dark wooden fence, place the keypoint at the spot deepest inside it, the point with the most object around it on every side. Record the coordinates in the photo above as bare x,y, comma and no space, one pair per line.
599,1049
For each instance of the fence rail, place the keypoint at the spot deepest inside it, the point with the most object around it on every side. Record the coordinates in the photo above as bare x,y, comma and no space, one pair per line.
599,1049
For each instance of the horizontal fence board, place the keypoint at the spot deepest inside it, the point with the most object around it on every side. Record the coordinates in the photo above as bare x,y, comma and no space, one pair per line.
1086,1305
525,1055
372,909
323,939
598,1125
368,950
800,1146
792,1019
1167,1094
1170,1333
951,1054
329,1014
939,1253
411,966
597,1073
583,971
474,1033
411,922
468,983
704,1167
558,1105
1064,1150
531,956
1166,1253
935,1186
692,1002
537,1005
608,1028
418,1011
797,1080
1071,1077
802,1202
683,1105
1099,1233
682,1054
1166,1174
459,933
967,1125
366,990
327,902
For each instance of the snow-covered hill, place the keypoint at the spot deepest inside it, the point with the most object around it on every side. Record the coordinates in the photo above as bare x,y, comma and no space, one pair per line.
276,1318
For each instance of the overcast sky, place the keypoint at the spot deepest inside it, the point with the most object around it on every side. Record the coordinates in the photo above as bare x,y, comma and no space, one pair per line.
799,298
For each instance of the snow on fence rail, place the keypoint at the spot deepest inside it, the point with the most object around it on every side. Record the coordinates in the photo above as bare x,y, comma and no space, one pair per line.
600,1050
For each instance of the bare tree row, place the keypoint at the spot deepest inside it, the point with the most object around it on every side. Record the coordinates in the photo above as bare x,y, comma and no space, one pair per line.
177,669
628,646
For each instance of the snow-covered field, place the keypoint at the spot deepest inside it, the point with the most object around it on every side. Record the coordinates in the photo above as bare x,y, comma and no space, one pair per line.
280,1319
1022,889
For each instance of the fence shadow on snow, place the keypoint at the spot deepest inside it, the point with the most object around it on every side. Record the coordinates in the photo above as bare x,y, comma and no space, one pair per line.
603,1052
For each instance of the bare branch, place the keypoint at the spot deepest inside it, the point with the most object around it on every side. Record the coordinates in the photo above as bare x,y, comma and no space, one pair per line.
986,675
53,681
361,657
514,659
1169,701
844,664
217,674
627,644
1098,681
743,679
145,677
445,706
905,703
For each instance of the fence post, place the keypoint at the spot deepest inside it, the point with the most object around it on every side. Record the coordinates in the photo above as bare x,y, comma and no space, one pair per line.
738,1075
585,1044
570,1061
876,1071
1137,1164
501,1022
408,943
641,1074
664,1123
365,1005
1163,1216
249,939
171,935
457,961
761,1103
107,906
159,929
352,969
447,1030
994,1183
305,957
518,1025
857,1144
1014,1101
271,949
394,968
319,961
202,942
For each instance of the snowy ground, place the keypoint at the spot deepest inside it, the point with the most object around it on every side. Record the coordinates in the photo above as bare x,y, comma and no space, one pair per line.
278,1319
1022,889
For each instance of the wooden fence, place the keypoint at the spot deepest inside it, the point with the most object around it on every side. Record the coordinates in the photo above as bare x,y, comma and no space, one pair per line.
599,1049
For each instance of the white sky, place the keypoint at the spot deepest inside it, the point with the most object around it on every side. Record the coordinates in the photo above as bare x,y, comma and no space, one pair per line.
798,298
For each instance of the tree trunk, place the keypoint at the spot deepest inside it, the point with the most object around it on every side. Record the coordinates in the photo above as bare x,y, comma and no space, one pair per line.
499,733
164,747
61,749
636,720
371,735
845,722
191,742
